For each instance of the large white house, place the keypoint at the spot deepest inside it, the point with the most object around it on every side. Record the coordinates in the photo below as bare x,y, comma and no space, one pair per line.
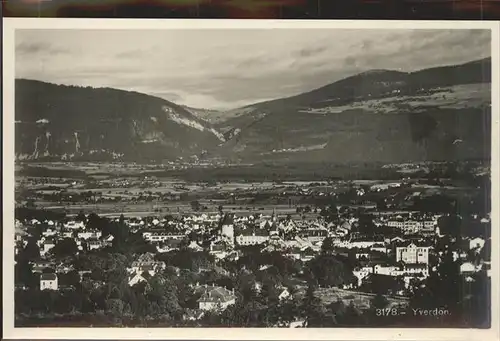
48,281
413,254
410,226
147,263
216,298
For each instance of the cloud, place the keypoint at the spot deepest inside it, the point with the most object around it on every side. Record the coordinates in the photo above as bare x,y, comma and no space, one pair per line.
229,68
32,48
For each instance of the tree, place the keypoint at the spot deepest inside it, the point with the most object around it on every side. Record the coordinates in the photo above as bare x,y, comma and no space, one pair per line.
30,203
65,248
379,302
31,252
329,270
24,275
81,217
195,205
312,308
115,307
327,246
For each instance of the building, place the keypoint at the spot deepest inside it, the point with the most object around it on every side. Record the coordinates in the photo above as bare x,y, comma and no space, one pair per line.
135,279
74,225
162,235
314,235
47,245
147,263
89,234
476,243
413,254
252,237
412,226
48,281
284,295
469,268
228,229
215,298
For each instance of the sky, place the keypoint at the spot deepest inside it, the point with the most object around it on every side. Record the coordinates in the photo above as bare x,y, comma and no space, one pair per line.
225,69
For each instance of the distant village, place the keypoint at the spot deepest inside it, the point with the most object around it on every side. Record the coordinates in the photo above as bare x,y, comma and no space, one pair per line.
395,263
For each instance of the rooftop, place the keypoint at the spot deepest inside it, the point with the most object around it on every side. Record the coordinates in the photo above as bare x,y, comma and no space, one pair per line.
48,277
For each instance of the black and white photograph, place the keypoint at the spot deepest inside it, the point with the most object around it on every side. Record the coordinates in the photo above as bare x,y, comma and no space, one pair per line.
269,175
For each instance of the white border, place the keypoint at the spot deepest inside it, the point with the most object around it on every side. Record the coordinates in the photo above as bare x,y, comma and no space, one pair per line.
9,27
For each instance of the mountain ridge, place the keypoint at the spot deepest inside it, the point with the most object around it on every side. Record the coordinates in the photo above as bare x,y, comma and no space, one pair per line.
367,116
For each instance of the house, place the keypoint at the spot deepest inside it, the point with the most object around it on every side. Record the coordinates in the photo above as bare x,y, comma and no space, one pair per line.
469,268
294,253
94,244
410,226
379,247
193,315
48,281
47,245
64,268
74,225
416,269
147,263
41,265
252,237
284,295
135,279
89,234
220,250
227,230
215,298
169,245
307,254
361,274
49,232
476,243
412,253
314,235
195,246
161,236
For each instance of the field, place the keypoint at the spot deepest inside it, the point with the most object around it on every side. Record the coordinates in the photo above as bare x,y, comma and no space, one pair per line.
455,97
134,191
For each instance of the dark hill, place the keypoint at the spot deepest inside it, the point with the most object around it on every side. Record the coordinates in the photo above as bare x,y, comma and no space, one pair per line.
389,116
69,122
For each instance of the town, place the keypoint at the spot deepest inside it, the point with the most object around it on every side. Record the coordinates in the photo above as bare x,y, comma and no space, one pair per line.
311,254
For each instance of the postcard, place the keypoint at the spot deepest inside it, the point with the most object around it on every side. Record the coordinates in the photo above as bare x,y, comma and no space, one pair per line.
234,179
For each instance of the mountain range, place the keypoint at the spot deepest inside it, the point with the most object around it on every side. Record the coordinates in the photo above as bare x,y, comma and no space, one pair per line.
389,116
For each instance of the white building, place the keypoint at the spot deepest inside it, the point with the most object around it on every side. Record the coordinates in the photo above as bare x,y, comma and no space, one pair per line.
74,225
476,243
284,295
413,226
88,234
48,281
216,298
228,230
469,268
161,236
252,237
46,247
136,278
413,254
147,263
